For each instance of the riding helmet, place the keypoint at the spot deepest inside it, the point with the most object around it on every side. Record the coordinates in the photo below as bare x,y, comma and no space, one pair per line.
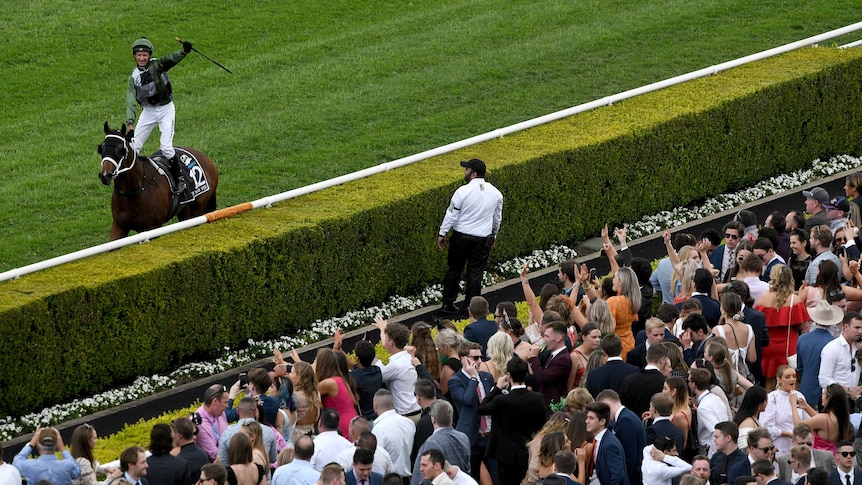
142,44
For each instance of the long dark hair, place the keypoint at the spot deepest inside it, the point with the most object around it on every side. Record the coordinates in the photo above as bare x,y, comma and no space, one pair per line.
750,405
838,406
81,442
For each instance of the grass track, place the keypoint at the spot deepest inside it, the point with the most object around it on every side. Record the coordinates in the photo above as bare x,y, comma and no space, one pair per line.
326,88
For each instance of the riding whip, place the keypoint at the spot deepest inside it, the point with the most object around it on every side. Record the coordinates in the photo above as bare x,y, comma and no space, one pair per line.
207,57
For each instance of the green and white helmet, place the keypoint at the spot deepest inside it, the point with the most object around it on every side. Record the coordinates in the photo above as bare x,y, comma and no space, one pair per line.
142,44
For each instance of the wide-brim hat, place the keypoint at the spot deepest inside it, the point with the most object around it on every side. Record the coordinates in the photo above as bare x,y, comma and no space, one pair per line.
826,314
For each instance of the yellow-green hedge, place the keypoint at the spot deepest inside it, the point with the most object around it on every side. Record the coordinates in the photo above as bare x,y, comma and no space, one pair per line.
83,326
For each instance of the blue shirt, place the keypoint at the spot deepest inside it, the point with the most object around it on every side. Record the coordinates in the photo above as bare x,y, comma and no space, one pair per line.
46,467
808,350
661,278
297,472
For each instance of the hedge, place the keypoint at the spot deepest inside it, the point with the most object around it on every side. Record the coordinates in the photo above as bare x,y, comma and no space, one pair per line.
82,327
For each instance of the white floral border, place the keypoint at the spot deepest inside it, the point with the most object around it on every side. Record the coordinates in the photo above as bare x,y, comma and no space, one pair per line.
11,427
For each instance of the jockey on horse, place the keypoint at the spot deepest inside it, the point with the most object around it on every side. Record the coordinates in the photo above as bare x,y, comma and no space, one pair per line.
150,87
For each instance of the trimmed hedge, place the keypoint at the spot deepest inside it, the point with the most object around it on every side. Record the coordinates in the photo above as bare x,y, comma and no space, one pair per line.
84,326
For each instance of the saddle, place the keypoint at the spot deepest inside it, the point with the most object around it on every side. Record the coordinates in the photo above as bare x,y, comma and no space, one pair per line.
163,165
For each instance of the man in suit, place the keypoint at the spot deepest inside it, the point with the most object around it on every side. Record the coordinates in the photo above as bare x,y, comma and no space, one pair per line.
564,468
480,328
639,388
763,249
611,374
655,331
695,335
804,435
764,473
757,320
629,429
363,462
454,444
133,464
552,377
703,283
845,473
727,453
607,463
183,434
425,395
760,447
468,388
517,414
722,257
660,409
162,467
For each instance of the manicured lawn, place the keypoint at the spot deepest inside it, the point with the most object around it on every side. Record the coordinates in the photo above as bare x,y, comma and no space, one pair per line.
321,89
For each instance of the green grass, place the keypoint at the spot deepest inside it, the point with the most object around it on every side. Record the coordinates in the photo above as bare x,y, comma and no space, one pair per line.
326,88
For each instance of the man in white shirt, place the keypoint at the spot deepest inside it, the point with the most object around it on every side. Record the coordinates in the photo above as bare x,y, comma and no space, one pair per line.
394,432
328,444
399,374
474,216
8,474
710,409
837,359
361,435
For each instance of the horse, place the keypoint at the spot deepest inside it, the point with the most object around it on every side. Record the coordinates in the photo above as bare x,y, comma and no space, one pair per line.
142,198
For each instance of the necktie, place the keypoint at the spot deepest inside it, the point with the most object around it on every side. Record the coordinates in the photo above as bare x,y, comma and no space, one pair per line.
727,263
363,481
847,477
215,431
483,419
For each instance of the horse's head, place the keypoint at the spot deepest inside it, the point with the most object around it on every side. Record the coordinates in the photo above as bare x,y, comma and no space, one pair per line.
117,154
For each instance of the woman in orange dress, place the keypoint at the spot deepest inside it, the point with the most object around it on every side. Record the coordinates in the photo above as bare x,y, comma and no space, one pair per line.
624,306
784,312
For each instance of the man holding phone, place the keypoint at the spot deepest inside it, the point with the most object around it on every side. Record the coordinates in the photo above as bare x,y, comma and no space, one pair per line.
468,388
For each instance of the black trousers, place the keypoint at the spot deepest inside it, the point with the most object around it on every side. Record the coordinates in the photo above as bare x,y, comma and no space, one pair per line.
469,251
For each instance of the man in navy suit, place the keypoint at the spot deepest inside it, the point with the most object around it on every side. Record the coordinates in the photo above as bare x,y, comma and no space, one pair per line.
660,409
363,461
452,443
696,335
468,388
611,374
480,328
639,388
764,473
703,283
518,414
607,463
722,257
655,332
845,456
762,248
629,429
552,377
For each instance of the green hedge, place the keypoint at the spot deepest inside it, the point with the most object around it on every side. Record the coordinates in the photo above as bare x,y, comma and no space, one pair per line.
81,327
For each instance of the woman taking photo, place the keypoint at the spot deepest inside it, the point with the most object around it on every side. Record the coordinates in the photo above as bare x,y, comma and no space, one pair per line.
778,415
337,391
784,313
830,426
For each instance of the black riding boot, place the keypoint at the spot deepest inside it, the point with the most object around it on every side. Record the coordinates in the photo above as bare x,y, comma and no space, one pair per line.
181,189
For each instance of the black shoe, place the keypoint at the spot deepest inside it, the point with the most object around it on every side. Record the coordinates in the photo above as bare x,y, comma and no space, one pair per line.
450,308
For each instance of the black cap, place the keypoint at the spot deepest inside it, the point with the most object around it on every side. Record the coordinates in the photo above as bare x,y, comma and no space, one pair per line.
475,165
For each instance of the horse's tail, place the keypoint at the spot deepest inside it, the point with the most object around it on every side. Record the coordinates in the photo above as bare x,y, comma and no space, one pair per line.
211,204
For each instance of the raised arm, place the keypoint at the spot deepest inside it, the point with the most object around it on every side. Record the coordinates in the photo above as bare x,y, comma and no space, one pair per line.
530,295
671,252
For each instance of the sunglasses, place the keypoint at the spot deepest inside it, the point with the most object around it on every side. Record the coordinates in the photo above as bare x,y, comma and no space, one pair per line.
767,449
475,357
731,236
845,454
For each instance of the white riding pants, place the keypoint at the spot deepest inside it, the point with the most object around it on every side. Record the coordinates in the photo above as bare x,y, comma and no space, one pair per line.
163,116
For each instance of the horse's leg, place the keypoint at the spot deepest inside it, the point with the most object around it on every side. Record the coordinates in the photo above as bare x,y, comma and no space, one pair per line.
117,232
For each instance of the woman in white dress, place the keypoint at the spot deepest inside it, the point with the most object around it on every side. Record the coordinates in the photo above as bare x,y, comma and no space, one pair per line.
778,416
736,332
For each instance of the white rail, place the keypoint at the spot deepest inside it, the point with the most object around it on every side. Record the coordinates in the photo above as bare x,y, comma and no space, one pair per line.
384,167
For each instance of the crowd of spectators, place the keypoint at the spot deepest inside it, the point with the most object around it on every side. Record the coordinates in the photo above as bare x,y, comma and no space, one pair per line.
736,360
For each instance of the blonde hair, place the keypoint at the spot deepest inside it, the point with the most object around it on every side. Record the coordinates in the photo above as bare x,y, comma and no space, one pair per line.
500,349
685,279
716,348
577,399
600,313
564,306
652,323
629,287
781,282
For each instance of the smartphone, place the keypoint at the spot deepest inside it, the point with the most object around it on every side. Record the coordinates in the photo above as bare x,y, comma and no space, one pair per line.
592,274
243,379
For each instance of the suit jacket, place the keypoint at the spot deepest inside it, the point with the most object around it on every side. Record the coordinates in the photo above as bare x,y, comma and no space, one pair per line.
629,429
454,445
168,470
637,356
374,479
553,377
757,320
608,460
609,376
638,390
424,428
466,400
196,458
778,481
667,429
822,459
480,331
837,478
717,257
740,468
711,309
517,416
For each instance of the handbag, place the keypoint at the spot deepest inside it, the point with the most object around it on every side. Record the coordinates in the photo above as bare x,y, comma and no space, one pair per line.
741,364
791,359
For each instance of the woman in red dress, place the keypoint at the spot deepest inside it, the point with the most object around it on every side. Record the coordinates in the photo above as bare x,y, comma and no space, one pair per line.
785,313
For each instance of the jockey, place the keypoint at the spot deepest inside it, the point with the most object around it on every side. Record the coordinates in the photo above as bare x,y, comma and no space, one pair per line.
150,86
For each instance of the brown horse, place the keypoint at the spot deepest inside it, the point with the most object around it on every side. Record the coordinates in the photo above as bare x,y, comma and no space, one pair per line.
142,198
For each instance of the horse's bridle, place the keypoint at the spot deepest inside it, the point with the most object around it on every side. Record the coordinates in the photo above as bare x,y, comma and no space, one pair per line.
119,164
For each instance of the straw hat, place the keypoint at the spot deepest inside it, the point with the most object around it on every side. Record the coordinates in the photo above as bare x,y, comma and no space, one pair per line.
826,314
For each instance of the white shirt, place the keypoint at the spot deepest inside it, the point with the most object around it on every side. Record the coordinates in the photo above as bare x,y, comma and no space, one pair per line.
382,461
476,209
756,286
778,417
835,364
461,478
9,475
327,446
842,476
395,433
400,376
710,411
662,472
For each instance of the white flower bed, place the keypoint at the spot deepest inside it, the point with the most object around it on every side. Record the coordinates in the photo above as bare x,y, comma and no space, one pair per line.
321,329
